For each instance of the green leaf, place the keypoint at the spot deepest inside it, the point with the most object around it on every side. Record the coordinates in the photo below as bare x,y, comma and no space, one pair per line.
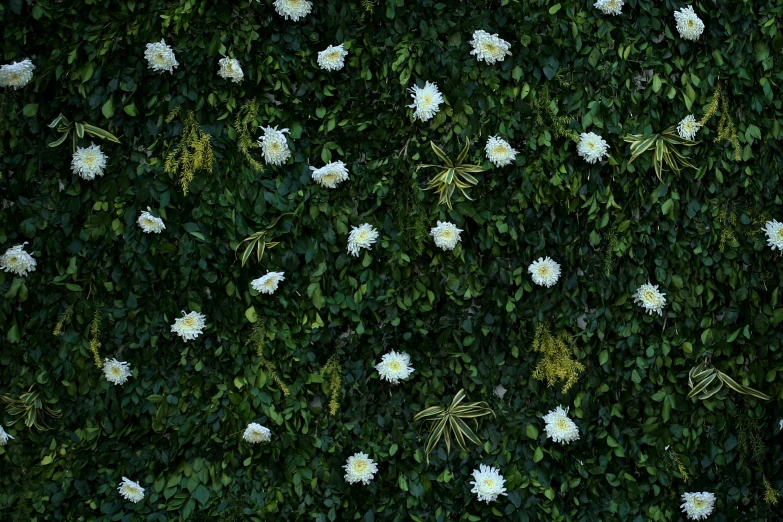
30,110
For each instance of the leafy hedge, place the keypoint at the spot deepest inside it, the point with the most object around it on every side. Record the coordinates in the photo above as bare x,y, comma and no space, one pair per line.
466,317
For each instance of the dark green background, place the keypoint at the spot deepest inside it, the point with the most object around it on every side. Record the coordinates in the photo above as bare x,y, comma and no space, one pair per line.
466,317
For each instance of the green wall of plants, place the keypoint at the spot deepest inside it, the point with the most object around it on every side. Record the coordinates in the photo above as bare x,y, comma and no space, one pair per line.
466,317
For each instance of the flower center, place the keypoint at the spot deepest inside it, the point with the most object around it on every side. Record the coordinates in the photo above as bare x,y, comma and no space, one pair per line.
690,23
489,483
699,503
361,236
395,366
189,322
160,58
149,222
115,371
15,77
89,160
447,234
562,424
780,234
426,100
490,48
334,56
543,270
499,149
14,260
648,295
360,466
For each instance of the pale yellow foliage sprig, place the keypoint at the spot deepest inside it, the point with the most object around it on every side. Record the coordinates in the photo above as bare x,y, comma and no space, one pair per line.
771,495
544,105
64,319
334,373
557,363
727,131
727,235
680,468
95,343
611,244
258,340
245,142
192,154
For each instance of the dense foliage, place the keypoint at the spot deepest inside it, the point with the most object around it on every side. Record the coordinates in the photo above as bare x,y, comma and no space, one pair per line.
467,317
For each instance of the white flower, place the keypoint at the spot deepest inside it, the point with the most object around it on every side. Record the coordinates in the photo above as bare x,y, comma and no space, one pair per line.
332,58
4,437
488,483
395,366
88,162
160,57
360,468
612,7
559,427
545,271
425,100
268,283
131,490
150,223
689,25
189,326
255,433
331,174
116,372
592,147
781,424
499,152
774,231
293,9
274,145
698,506
489,47
230,68
362,236
650,298
17,74
18,261
688,127
446,235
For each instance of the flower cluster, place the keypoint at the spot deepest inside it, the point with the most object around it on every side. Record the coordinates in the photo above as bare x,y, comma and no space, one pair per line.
231,69
592,147
650,298
331,174
544,272
360,468
160,57
559,427
88,162
149,223
255,433
698,506
189,326
274,146
363,236
611,7
499,152
4,437
116,372
689,25
774,231
489,47
488,483
17,74
395,366
293,9
17,261
688,127
268,283
426,101
131,490
446,235
332,58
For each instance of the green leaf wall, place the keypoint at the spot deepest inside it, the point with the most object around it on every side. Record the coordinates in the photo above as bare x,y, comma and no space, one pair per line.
466,317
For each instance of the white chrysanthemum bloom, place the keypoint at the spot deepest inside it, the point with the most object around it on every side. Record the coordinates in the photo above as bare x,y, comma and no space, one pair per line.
559,427
231,69
150,223
446,235
131,490
293,9
774,231
189,326
18,261
650,298
592,147
331,174
698,506
688,127
426,101
499,152
395,366
611,7
489,47
274,145
362,236
689,25
781,424
268,283
332,58
17,74
4,437
488,483
360,468
255,433
544,271
88,162
160,57
116,372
